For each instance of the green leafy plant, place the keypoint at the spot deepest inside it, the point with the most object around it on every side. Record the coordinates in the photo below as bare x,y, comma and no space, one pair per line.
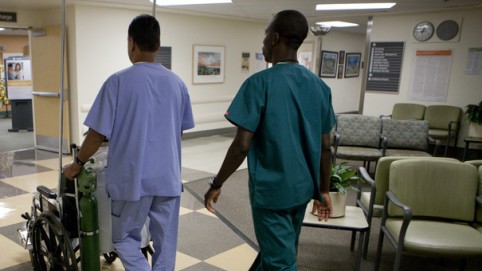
474,112
342,177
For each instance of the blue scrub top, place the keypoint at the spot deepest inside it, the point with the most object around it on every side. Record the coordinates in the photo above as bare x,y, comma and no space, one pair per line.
142,110
288,108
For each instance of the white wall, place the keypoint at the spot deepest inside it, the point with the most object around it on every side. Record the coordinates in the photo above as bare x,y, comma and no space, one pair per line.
462,90
346,91
101,49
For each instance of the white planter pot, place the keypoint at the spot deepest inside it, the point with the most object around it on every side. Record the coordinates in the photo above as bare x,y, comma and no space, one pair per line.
475,130
338,201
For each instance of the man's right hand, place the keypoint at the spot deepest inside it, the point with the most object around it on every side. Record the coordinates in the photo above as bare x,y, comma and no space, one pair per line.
71,170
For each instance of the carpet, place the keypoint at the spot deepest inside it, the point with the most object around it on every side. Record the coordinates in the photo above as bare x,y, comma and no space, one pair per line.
319,249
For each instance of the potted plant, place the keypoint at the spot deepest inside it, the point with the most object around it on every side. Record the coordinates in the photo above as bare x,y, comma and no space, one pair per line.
342,177
473,112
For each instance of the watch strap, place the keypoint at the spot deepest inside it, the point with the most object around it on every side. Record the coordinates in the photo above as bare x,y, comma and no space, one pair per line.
78,162
214,185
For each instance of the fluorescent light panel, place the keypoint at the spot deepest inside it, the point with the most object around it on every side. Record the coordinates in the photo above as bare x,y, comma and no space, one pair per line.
189,2
355,6
1,28
337,24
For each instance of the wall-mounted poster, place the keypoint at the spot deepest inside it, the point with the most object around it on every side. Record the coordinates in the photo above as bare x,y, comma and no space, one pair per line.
328,64
18,75
352,66
208,64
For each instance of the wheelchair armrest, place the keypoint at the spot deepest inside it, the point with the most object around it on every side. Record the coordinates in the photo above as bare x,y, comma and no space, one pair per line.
46,192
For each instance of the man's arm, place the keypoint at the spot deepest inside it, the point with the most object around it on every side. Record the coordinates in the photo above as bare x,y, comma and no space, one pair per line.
91,144
324,208
235,156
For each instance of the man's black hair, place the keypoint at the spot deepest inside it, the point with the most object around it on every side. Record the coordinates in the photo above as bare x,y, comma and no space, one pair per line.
292,27
146,32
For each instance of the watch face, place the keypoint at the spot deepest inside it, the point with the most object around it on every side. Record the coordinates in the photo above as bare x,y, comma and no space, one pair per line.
447,30
423,31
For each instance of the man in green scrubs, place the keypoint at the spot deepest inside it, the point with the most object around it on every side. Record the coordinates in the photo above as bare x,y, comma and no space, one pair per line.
284,117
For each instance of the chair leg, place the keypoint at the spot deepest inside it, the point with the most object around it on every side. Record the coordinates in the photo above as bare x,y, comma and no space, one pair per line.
379,251
365,243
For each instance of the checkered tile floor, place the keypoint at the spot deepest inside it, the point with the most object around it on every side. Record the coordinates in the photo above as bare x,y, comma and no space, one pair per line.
205,242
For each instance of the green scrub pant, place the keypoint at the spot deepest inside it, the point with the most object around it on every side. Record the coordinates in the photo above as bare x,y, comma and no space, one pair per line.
277,232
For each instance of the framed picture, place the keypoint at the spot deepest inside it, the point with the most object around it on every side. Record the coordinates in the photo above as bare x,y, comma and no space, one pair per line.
328,64
340,71
352,66
208,64
341,59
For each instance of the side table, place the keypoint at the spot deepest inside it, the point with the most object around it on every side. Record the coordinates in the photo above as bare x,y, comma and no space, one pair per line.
354,221
468,140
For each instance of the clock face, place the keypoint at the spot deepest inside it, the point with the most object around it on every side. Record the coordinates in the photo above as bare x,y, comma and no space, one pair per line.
447,30
423,31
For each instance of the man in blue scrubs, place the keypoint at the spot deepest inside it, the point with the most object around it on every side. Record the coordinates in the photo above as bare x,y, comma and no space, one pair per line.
284,117
142,111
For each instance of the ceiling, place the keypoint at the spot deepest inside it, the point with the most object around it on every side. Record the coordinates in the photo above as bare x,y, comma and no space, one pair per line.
263,10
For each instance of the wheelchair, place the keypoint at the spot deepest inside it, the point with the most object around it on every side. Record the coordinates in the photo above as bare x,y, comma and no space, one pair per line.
58,232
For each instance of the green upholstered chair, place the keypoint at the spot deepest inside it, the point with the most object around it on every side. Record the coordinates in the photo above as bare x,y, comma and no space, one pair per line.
371,201
406,138
476,163
428,210
478,209
357,137
443,122
407,111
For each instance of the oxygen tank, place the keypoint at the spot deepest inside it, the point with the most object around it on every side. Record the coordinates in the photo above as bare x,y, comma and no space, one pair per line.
89,221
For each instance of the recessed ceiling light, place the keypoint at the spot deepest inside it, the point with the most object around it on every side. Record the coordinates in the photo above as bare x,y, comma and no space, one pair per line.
337,24
189,2
1,28
355,6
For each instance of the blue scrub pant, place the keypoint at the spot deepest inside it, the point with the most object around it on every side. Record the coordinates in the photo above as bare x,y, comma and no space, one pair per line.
277,232
128,218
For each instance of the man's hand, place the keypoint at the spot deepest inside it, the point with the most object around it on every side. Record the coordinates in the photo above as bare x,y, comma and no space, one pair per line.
323,210
71,170
211,196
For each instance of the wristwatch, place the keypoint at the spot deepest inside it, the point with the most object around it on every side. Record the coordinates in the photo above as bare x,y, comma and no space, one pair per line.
213,184
78,162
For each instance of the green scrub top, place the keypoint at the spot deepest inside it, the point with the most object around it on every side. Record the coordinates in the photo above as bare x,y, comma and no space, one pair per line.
288,108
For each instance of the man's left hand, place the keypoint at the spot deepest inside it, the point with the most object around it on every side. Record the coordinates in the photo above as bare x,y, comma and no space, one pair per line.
71,170
211,196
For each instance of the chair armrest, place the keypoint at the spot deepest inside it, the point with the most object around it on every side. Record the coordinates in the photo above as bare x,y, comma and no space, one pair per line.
407,216
383,144
451,122
478,200
363,174
385,116
434,141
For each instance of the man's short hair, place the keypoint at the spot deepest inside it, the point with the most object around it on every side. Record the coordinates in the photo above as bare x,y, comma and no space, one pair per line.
292,27
146,32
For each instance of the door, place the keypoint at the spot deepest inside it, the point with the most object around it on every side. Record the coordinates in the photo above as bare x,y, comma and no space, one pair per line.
45,47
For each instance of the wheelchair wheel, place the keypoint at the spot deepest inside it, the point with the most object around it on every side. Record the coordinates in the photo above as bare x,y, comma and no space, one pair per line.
52,248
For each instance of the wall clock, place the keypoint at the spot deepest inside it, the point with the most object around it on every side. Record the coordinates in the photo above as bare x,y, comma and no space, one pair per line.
447,30
423,31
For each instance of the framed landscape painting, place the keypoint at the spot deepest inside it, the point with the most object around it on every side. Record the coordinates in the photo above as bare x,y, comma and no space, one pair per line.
208,64
328,64
352,66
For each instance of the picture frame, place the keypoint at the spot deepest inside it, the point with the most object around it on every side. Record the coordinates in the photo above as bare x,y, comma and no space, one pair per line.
328,65
341,57
352,66
208,64
339,75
